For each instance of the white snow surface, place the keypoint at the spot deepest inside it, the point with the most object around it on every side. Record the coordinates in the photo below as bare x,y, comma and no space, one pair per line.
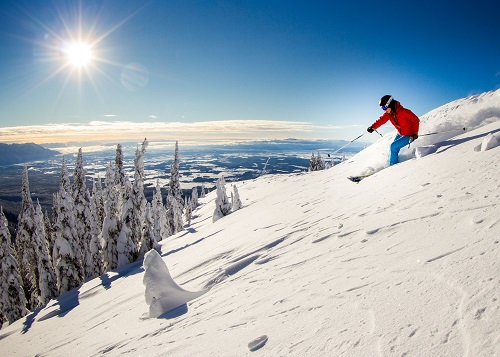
405,263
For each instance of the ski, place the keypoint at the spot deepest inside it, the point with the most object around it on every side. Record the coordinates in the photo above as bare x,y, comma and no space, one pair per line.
358,178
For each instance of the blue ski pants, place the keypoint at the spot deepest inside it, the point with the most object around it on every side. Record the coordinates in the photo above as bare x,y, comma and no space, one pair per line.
399,142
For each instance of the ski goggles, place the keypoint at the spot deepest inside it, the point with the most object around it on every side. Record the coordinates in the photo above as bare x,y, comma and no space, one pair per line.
384,107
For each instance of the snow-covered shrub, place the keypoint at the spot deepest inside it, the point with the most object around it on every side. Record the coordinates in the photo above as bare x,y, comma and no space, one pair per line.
222,204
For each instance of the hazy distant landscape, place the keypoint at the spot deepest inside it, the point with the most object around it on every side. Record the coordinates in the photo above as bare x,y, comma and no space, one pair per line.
199,165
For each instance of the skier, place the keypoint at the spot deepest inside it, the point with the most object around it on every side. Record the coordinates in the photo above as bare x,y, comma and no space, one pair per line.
403,120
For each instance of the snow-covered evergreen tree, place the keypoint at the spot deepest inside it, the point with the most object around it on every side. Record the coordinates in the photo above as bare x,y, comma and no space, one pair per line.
175,184
25,247
188,212
49,231
161,228
222,204
119,171
120,177
175,203
125,247
203,191
94,264
55,210
66,255
12,299
236,199
316,163
81,197
138,199
194,197
148,237
98,195
111,225
46,284
174,215
321,163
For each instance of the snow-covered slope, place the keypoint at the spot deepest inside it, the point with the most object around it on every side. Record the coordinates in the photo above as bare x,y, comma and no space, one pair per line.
404,263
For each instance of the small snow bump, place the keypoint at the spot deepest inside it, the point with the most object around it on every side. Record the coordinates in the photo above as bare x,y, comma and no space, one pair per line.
479,313
477,220
257,343
490,141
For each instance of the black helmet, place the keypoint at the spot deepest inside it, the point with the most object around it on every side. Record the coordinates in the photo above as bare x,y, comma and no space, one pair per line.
387,101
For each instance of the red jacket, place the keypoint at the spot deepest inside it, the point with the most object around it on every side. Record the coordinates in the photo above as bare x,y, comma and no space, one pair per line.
403,120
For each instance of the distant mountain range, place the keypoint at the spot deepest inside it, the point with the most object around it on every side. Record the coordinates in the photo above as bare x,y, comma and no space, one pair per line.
20,153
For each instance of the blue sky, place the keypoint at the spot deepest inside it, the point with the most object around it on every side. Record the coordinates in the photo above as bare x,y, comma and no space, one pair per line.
237,69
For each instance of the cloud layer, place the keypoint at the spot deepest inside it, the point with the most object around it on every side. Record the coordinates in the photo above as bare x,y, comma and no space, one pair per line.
121,131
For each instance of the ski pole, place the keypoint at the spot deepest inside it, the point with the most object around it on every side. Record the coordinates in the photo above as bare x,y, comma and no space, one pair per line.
446,131
346,145
438,132
378,133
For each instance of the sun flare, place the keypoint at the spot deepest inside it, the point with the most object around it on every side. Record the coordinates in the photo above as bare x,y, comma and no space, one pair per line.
79,54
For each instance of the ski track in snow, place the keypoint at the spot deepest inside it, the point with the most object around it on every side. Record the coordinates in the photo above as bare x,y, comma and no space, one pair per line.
443,255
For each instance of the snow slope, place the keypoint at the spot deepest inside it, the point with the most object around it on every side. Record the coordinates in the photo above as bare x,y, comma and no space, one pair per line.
404,263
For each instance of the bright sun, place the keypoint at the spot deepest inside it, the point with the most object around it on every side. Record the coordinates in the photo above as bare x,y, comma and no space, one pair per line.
79,54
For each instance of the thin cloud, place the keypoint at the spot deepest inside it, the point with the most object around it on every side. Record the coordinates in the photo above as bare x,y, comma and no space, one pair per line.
105,131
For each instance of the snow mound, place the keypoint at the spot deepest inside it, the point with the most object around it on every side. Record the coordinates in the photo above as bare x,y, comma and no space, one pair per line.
162,292
258,343
422,151
489,142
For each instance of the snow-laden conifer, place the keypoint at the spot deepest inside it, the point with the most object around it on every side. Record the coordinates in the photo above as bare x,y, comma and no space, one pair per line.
111,225
25,247
12,299
81,197
55,210
94,264
125,247
98,196
120,177
188,212
161,229
66,256
175,184
203,191
174,214
194,197
49,232
138,199
148,237
222,204
316,163
47,285
175,203
236,199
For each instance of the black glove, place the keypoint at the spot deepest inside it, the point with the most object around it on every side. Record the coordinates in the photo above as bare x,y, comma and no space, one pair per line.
370,129
414,137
